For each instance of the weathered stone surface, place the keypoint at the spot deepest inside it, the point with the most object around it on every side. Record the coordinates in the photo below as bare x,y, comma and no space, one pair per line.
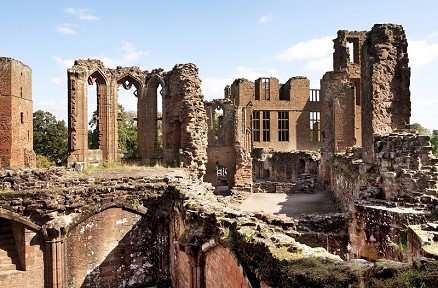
16,115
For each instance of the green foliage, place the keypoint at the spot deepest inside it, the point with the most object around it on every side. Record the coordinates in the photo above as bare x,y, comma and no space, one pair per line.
43,162
127,130
433,136
93,133
434,143
382,275
313,272
420,129
50,137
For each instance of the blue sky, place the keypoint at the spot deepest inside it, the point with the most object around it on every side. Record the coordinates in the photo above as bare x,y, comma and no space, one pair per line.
226,39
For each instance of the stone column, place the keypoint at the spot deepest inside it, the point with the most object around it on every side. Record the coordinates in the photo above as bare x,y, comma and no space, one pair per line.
77,120
385,84
54,255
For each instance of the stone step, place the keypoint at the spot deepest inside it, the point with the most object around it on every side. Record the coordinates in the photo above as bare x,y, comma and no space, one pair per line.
7,267
5,260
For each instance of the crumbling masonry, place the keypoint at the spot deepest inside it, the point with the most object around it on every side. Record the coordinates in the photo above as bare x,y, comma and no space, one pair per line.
164,228
183,125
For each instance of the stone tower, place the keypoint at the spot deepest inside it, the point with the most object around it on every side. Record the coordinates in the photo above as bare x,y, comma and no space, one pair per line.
16,116
385,84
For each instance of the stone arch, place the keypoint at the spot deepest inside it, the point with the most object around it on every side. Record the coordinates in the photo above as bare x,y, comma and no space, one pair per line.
18,218
103,248
85,216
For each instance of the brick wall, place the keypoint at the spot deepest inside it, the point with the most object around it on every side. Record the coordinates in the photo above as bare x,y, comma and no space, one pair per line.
222,270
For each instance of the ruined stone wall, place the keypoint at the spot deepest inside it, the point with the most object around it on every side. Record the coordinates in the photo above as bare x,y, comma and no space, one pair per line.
407,168
185,128
378,232
107,245
284,166
385,84
16,115
222,269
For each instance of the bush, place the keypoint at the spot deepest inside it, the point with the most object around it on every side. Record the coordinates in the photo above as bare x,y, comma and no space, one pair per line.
43,162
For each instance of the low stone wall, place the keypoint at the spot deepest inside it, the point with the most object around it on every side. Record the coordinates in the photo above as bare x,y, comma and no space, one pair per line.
378,231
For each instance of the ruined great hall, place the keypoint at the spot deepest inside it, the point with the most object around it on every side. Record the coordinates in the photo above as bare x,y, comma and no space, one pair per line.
178,223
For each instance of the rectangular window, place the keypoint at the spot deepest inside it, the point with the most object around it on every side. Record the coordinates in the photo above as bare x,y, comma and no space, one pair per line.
314,95
266,89
22,117
266,127
283,126
256,126
315,128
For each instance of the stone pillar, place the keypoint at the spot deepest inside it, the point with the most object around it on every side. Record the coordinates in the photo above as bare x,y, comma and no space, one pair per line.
77,111
184,124
385,81
54,255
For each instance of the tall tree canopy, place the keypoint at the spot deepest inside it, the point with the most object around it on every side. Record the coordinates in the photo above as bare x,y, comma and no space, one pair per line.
50,137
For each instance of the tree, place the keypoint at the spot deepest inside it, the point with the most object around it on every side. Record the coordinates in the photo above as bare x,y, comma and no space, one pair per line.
50,137
433,136
127,130
420,129
434,143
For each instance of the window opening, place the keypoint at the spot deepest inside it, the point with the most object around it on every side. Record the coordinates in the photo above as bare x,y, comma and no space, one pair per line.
218,125
93,114
350,52
314,95
315,126
127,118
266,127
283,126
256,126
266,88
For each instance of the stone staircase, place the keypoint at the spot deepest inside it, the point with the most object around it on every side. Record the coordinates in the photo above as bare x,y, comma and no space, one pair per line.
8,252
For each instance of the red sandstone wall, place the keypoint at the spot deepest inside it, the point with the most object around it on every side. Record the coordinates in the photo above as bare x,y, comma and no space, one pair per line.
181,270
103,251
16,133
222,270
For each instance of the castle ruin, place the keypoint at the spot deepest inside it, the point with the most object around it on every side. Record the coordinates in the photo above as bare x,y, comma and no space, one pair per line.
161,227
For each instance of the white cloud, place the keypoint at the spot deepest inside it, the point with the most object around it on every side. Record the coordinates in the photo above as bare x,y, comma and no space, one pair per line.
83,14
312,49
66,63
266,19
131,53
66,29
320,65
57,108
422,53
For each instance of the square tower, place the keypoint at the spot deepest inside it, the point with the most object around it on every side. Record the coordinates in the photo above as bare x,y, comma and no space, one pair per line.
16,115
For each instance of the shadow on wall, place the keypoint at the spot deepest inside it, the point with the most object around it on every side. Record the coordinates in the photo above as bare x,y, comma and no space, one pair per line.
136,261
